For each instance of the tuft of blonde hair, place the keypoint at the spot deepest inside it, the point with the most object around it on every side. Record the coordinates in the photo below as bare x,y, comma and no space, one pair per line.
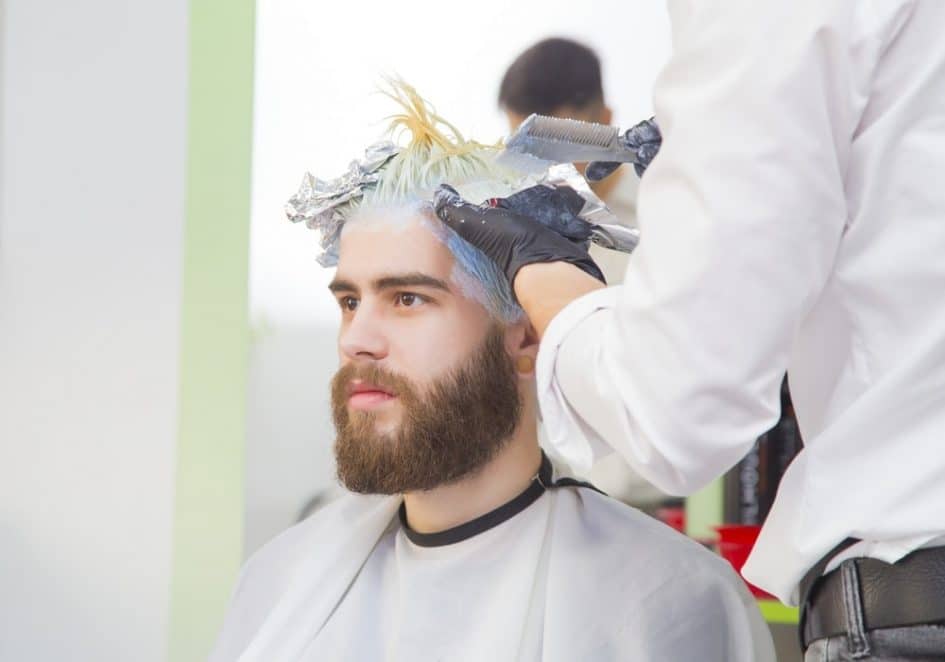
435,153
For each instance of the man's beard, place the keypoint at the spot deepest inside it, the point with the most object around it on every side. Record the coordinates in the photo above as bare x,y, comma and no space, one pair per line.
446,433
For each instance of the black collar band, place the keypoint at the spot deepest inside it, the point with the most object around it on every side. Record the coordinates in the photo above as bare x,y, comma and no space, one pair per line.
485,522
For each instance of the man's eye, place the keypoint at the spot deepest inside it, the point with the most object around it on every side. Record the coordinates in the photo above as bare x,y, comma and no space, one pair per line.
348,303
410,300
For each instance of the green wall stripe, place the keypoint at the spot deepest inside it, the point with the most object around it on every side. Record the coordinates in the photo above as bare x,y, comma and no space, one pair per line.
775,612
208,508
704,511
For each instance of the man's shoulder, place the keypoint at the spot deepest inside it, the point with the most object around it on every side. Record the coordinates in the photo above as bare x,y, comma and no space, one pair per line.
603,527
641,586
303,560
274,564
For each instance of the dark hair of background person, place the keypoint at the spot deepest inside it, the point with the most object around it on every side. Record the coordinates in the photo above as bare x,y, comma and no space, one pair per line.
554,73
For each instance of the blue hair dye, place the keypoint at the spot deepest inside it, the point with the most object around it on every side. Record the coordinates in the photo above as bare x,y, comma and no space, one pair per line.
499,298
477,276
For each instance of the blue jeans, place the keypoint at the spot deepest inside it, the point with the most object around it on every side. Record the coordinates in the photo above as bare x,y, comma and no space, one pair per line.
917,643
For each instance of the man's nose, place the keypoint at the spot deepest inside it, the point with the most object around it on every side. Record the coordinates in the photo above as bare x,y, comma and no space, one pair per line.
363,336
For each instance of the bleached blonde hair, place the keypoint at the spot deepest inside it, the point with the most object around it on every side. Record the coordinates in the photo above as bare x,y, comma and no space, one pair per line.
437,153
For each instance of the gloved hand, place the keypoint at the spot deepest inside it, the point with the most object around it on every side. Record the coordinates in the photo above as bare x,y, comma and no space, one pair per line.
538,224
644,137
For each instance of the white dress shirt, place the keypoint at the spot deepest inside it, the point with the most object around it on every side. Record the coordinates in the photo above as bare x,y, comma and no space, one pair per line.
612,474
794,220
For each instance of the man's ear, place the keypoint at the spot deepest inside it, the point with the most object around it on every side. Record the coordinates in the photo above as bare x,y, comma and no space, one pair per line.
522,345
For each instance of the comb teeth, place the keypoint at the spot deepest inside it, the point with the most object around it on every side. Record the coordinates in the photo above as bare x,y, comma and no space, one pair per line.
571,131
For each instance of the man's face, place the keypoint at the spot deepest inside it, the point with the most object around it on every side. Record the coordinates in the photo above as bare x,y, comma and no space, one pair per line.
426,392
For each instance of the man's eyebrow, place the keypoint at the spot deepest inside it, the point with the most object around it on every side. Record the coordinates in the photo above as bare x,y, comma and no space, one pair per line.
413,279
342,285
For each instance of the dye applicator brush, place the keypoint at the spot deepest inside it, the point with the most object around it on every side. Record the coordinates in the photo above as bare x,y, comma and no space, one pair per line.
541,140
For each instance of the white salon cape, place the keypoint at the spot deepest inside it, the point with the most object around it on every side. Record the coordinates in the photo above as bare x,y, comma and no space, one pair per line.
573,576
794,220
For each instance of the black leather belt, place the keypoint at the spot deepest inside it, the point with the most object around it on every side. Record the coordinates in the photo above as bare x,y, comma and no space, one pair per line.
908,592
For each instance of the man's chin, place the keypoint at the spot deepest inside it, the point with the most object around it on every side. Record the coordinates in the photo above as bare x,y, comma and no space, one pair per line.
384,425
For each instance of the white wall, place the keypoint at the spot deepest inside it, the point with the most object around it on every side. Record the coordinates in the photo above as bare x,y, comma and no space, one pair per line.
93,150
317,68
288,451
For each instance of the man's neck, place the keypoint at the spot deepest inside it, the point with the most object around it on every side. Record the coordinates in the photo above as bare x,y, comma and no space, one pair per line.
503,478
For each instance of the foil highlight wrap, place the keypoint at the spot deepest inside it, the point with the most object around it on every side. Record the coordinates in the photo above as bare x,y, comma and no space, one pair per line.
606,230
595,211
324,205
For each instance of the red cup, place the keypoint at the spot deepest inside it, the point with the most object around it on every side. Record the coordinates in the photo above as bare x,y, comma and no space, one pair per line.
735,544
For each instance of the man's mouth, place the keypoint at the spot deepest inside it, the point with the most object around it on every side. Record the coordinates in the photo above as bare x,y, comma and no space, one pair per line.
366,395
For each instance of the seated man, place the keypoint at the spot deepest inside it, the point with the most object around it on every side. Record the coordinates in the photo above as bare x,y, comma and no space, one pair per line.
460,540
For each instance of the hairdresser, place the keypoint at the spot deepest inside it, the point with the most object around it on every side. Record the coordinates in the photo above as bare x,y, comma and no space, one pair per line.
793,220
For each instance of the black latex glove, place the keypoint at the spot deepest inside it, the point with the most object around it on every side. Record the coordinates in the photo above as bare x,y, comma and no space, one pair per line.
533,225
644,137
557,208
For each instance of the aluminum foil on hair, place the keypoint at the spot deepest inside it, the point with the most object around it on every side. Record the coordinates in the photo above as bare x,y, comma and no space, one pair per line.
565,174
606,230
325,205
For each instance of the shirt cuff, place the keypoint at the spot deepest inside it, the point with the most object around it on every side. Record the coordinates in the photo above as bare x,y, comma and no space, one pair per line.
567,434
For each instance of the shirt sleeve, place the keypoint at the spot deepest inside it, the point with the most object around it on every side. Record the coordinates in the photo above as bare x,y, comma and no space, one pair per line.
741,216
